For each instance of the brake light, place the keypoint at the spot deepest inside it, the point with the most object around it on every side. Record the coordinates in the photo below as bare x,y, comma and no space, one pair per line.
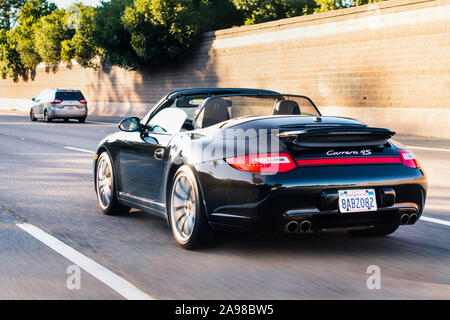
82,101
409,159
56,102
265,163
348,161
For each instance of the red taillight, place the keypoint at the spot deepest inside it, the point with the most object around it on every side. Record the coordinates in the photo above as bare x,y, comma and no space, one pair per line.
56,102
409,159
264,163
82,101
347,161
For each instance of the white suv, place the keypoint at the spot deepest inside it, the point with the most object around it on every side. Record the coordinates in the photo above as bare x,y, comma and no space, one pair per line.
59,104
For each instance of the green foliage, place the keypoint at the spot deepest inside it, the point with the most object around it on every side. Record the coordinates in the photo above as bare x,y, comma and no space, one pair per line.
82,46
30,15
8,12
257,11
50,31
10,63
112,37
328,5
162,29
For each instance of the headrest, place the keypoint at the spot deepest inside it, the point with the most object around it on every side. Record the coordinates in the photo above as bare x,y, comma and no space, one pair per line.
215,111
286,107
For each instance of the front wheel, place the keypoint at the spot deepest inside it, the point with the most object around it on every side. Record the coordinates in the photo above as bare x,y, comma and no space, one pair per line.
187,214
375,231
104,187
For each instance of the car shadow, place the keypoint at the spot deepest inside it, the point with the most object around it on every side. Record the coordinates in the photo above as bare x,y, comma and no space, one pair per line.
309,244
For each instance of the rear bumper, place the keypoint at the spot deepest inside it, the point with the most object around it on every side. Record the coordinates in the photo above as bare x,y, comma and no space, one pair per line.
248,201
57,113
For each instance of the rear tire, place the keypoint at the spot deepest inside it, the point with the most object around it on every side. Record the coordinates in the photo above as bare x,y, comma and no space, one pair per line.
105,187
186,211
376,231
46,117
81,120
32,117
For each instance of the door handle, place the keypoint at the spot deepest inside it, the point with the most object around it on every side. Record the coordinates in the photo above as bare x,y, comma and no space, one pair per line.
159,154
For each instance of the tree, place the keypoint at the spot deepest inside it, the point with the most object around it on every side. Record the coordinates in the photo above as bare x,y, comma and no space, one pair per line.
112,37
257,11
29,15
328,5
50,32
161,30
82,46
8,12
10,63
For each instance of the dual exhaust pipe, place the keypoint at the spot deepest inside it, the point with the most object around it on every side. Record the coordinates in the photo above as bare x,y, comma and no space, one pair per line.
305,225
408,218
295,227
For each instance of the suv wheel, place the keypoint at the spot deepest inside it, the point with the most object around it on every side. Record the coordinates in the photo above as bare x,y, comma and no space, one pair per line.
46,117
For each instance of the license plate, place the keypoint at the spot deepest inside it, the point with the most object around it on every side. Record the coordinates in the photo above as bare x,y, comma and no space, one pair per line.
357,200
70,107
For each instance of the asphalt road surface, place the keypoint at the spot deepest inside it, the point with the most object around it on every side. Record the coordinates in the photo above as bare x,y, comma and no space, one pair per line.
49,222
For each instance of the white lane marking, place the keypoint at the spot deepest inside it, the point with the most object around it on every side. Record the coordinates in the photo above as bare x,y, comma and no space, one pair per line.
98,122
79,149
109,278
428,148
434,220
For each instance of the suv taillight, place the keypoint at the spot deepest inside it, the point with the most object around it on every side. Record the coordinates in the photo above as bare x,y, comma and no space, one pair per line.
82,101
408,159
264,163
56,102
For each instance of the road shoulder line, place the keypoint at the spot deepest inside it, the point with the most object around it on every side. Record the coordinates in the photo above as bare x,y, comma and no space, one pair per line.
434,220
79,149
104,275
429,148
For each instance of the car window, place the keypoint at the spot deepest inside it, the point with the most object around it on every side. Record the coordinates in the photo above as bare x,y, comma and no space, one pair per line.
69,95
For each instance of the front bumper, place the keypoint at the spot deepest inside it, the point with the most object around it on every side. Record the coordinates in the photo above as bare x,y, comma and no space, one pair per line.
247,201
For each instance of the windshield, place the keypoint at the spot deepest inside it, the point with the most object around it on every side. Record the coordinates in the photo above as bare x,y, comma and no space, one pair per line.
167,121
218,109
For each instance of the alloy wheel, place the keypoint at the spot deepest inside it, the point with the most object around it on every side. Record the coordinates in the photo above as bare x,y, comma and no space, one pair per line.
183,207
104,182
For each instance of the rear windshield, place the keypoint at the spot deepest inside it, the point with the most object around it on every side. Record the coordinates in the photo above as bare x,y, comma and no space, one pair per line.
69,95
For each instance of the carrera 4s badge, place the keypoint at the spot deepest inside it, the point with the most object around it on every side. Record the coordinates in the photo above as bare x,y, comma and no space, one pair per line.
366,152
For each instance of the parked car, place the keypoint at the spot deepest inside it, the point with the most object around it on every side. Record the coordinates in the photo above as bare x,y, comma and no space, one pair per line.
246,159
63,104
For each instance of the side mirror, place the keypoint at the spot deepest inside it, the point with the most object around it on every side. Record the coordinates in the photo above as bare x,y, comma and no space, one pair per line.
33,99
131,124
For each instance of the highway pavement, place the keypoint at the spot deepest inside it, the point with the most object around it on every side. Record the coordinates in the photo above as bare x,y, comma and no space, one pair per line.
56,244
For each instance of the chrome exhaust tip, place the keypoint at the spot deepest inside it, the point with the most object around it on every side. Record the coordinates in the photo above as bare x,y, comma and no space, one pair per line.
292,226
404,219
304,226
412,218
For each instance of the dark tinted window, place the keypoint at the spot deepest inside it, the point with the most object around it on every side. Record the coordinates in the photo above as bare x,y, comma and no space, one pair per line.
69,95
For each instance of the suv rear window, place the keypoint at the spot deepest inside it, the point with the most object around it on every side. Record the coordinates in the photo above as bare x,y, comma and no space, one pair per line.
69,95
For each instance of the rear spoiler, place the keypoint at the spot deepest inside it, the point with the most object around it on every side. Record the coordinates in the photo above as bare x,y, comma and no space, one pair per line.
343,136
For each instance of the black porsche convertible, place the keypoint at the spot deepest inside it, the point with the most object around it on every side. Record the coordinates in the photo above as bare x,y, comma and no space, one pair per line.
249,159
